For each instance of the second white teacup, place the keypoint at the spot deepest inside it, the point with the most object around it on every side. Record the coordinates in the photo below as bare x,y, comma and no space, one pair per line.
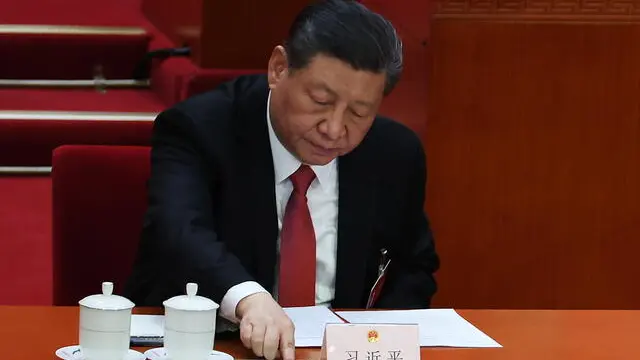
190,326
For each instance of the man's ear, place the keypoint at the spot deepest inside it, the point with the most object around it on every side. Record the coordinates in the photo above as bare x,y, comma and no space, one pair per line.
278,66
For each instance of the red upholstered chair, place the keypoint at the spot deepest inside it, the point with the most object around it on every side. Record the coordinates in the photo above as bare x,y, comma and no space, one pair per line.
99,199
208,79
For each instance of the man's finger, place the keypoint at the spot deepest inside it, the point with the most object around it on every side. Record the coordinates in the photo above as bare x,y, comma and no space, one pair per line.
288,351
287,343
245,333
257,339
271,342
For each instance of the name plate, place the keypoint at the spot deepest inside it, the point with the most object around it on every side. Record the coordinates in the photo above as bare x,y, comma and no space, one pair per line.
371,342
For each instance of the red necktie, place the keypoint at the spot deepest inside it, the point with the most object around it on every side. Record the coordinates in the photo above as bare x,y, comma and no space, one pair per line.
297,280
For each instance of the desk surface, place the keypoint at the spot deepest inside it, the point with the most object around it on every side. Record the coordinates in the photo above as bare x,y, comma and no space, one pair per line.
35,333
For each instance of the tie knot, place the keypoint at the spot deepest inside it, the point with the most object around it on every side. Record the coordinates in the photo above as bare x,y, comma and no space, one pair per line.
302,179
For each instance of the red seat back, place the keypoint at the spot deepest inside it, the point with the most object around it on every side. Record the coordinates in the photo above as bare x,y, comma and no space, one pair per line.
208,79
99,199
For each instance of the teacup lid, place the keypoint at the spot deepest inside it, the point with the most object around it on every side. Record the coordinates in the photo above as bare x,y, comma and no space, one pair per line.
106,300
191,301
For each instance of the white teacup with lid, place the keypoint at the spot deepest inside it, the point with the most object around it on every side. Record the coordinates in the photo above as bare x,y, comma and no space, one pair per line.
105,325
190,325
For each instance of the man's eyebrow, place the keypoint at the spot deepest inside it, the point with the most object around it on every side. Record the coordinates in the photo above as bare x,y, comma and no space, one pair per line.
364,103
325,87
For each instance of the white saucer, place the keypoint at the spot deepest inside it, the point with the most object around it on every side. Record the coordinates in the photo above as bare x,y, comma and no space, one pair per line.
74,353
161,354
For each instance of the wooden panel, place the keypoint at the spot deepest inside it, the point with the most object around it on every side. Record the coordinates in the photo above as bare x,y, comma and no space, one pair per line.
533,141
407,102
242,34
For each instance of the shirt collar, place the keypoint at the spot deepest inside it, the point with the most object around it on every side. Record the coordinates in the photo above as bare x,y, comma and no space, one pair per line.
285,163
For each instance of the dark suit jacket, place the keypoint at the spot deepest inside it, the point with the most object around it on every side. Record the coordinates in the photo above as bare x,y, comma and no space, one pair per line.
212,219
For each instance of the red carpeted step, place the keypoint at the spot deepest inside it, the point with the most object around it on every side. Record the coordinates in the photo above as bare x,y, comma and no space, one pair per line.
33,122
31,142
122,100
77,12
25,240
70,52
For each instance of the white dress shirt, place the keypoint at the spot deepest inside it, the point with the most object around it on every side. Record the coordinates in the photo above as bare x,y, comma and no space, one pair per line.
322,199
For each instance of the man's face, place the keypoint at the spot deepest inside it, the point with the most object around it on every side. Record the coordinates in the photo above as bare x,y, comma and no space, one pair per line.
324,110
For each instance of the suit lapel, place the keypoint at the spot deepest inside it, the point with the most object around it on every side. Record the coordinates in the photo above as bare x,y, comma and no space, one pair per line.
356,178
257,181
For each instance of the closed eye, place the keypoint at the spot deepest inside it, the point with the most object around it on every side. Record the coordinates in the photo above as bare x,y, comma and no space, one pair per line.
320,100
357,114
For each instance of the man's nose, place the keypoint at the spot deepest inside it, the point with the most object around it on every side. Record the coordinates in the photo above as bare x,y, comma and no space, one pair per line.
333,126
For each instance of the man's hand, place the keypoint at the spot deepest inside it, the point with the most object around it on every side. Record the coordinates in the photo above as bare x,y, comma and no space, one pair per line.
265,327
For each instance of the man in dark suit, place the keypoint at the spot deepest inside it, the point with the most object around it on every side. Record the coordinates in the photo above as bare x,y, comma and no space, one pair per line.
288,189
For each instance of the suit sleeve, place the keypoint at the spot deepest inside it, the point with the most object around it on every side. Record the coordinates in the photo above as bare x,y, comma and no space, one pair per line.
180,213
410,282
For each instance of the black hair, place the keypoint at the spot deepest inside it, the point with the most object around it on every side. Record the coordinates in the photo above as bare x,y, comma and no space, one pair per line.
348,31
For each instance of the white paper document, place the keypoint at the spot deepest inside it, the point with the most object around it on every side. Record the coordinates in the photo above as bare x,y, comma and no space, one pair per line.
147,326
310,322
437,327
